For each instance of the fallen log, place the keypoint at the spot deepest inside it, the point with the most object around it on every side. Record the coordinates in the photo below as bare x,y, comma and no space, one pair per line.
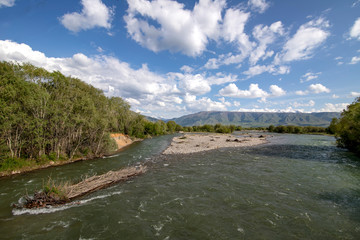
89,185
102,181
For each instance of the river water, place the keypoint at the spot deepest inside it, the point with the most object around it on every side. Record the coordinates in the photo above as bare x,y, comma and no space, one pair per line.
294,187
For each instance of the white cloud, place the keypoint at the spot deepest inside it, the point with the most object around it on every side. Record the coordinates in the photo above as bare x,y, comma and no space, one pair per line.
94,14
276,91
354,94
335,96
259,69
330,107
187,69
224,59
204,104
309,76
318,88
253,92
355,29
236,103
355,60
311,103
198,84
180,29
7,3
265,35
233,30
301,93
221,78
308,37
194,84
132,101
314,88
258,5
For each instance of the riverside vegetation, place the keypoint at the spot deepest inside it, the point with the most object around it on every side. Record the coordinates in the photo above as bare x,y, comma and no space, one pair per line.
46,116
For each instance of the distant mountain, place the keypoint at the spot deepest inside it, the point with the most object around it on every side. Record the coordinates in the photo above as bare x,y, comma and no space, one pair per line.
151,119
257,119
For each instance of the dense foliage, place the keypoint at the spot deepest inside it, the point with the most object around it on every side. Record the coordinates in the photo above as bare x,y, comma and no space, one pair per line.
347,128
217,128
297,129
48,116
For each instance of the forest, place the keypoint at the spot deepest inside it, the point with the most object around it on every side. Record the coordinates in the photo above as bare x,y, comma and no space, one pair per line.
48,116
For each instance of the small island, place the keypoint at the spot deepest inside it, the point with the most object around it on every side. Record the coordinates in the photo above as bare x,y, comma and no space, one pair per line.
192,143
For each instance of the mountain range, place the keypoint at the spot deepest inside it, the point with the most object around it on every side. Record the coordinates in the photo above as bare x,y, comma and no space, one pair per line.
257,119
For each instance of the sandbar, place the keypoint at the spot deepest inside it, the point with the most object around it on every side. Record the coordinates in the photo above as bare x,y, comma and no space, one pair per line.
192,143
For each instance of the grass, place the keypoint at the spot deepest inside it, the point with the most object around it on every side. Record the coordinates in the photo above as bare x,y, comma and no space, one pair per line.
12,164
58,188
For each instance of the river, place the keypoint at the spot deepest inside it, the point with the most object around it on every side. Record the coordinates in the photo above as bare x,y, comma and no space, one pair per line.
294,187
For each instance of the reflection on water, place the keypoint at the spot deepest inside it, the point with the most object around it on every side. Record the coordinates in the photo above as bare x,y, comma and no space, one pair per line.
295,187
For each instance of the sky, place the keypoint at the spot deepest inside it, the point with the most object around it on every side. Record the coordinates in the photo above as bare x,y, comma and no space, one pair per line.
170,58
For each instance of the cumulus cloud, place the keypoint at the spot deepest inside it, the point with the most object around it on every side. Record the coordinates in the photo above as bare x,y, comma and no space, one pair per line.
309,76
178,29
314,88
330,107
7,3
199,84
276,91
253,92
308,37
355,30
94,14
355,60
318,88
204,104
258,5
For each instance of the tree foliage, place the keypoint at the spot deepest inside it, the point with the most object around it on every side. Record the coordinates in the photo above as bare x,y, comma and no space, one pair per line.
347,128
217,128
296,129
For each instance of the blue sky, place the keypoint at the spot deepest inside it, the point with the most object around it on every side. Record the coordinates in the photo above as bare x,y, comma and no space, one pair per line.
171,58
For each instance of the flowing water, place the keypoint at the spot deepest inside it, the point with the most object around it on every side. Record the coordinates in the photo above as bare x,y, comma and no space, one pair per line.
294,187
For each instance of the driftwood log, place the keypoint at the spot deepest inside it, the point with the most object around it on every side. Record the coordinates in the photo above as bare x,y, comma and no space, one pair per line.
89,185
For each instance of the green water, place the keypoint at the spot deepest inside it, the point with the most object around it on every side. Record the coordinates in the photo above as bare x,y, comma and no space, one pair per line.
295,187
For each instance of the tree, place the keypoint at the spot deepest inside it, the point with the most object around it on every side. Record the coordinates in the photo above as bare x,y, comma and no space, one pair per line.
347,130
171,126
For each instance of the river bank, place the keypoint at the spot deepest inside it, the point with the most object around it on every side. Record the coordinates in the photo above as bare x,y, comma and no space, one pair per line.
192,143
120,139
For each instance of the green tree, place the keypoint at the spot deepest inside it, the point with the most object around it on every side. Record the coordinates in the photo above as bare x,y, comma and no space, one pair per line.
347,130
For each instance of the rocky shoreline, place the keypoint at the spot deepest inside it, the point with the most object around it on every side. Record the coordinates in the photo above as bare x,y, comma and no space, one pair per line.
192,143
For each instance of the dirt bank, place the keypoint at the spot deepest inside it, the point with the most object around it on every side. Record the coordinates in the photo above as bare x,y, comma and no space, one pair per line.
121,140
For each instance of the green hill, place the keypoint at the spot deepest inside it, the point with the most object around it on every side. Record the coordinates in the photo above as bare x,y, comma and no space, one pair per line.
258,119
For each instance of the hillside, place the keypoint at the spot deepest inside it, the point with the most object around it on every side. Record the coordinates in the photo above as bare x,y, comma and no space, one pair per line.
257,119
